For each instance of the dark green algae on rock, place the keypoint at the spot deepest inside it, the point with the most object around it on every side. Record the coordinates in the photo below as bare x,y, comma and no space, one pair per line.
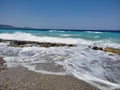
19,43
107,49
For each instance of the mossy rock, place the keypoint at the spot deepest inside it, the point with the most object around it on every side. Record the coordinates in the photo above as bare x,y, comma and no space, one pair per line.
113,50
107,49
18,43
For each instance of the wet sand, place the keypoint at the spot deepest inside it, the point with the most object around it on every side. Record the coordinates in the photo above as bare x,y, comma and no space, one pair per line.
20,78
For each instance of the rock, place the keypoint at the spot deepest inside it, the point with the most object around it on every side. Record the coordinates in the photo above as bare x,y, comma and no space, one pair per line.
2,66
18,43
111,54
1,61
113,50
107,49
97,48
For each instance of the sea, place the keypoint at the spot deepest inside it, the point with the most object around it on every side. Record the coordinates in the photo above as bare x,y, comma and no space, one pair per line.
96,67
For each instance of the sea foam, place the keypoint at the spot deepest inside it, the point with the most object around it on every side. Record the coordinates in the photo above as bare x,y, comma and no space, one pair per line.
77,41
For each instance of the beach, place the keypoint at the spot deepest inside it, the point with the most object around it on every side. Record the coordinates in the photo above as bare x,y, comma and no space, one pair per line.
19,78
59,45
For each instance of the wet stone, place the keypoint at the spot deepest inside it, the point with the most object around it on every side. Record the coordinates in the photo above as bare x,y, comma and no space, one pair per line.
18,43
2,66
113,50
107,49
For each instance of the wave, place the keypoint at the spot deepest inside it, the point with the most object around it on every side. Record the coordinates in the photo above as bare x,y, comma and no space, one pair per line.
56,31
94,32
30,37
77,41
65,35
69,35
97,36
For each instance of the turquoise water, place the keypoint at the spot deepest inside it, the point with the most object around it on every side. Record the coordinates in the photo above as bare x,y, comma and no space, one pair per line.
88,35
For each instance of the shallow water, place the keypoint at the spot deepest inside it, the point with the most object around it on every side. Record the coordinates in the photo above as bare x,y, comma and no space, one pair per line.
95,67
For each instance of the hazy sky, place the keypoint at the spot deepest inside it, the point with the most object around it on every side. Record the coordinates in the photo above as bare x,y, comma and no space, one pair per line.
75,14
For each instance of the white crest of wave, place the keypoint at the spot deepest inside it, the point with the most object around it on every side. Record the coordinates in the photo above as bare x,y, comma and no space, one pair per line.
30,37
56,31
96,36
94,32
66,35
77,41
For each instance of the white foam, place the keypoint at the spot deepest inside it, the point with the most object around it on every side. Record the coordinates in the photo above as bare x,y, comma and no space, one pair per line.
93,32
56,31
30,37
96,36
81,62
30,57
66,35
3,44
95,67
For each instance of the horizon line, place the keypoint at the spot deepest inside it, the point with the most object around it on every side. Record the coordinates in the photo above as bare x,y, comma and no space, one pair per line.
67,29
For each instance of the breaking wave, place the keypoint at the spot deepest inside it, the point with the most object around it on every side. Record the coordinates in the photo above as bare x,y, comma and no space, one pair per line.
78,41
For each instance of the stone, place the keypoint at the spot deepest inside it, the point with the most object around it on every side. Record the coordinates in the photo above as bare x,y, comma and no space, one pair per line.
18,43
107,49
113,50
2,66
1,61
97,48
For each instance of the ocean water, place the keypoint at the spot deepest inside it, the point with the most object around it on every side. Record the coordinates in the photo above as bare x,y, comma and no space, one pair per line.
98,68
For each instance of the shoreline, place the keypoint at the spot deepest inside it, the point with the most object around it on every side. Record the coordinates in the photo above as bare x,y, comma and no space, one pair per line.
20,78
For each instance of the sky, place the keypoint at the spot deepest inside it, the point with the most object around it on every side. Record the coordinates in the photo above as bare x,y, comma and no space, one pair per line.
62,14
